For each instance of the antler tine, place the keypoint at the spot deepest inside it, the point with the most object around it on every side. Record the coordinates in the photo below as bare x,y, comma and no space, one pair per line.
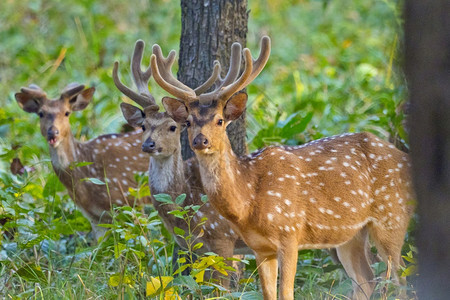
233,71
143,98
235,64
263,57
34,90
239,84
165,68
72,89
141,78
165,78
229,85
215,76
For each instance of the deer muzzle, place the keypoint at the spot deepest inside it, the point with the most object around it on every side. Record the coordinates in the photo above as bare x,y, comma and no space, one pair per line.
200,142
149,146
52,135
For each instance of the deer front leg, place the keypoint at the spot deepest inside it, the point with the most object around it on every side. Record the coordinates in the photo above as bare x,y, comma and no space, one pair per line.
268,272
287,257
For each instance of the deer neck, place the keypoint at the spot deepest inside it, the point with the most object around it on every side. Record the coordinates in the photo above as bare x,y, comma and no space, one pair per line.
224,180
65,154
167,174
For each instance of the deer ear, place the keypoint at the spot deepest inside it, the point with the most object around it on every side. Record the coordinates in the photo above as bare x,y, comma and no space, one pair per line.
29,103
80,101
134,115
176,109
235,107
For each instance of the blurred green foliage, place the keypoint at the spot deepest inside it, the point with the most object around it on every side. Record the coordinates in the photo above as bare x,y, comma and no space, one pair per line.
334,68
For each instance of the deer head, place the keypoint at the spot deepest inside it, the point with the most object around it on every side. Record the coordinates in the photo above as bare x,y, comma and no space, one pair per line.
54,114
208,114
161,137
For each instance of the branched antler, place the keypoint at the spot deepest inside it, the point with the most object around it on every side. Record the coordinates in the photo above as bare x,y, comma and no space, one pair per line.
143,97
224,87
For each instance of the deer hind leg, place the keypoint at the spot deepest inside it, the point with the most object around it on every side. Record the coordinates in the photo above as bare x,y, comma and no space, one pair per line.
268,272
287,258
353,256
389,245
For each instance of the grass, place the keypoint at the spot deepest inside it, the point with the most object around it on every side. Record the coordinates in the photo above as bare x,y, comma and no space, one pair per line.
334,68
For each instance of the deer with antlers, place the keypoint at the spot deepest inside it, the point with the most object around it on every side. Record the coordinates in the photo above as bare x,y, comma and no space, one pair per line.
168,173
115,158
329,193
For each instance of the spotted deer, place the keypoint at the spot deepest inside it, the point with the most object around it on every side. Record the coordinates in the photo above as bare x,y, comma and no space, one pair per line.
330,193
168,173
115,158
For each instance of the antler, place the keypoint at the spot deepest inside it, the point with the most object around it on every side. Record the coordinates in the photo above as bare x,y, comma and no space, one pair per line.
251,71
34,90
161,68
233,71
143,98
224,87
71,90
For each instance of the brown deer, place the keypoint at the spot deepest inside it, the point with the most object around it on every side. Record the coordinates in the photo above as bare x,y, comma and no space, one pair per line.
168,173
329,193
115,157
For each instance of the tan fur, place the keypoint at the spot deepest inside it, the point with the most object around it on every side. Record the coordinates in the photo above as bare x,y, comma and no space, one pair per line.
168,173
115,158
322,196
327,193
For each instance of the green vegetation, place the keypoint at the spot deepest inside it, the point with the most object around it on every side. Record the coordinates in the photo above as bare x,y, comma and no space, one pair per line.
333,69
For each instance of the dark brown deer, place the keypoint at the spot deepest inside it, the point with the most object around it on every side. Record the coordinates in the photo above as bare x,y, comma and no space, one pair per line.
329,193
115,158
168,173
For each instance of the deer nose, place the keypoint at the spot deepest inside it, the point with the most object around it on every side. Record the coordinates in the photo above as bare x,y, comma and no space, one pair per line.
200,142
52,132
149,145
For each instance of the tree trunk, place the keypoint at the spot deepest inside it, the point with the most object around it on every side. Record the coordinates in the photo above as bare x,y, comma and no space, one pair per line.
427,33
209,28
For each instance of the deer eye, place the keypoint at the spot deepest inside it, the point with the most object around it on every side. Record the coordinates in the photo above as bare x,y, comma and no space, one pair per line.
220,122
40,114
67,114
188,124
143,127
173,128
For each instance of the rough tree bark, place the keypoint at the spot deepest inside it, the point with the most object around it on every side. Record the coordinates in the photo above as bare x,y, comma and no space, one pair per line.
209,28
427,33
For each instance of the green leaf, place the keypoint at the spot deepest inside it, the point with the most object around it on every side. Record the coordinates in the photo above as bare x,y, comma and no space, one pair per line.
93,180
186,281
32,273
195,208
204,198
178,213
163,198
197,246
52,186
295,125
180,199
116,279
80,164
178,231
118,248
411,270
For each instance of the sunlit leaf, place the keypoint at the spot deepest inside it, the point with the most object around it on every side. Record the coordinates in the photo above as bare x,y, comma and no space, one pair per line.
117,279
